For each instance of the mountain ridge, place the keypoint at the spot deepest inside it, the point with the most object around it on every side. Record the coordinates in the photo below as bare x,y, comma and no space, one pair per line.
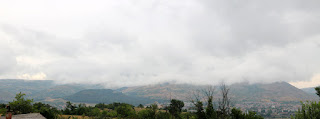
47,89
278,91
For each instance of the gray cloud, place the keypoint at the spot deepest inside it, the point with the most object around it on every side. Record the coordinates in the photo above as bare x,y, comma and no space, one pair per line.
125,43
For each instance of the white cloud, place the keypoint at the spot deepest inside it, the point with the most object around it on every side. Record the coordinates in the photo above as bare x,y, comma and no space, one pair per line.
37,76
125,43
315,81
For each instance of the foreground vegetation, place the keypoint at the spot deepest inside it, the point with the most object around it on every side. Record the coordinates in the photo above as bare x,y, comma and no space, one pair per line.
309,109
121,110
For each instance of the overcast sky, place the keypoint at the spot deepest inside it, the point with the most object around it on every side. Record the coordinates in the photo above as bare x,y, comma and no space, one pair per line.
137,42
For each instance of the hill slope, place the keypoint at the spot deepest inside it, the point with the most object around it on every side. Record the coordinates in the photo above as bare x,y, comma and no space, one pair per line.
10,87
105,96
38,89
310,90
58,91
279,91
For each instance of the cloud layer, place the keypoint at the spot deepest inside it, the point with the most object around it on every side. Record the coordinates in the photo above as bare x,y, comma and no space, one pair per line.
126,43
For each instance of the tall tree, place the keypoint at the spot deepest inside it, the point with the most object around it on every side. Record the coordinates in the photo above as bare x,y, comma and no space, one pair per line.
200,113
318,90
21,105
195,99
175,107
125,110
224,102
210,112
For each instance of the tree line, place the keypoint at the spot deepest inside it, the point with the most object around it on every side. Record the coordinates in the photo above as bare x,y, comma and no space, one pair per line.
174,110
202,101
223,110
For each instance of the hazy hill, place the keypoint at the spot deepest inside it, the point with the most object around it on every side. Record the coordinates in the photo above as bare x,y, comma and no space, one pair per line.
105,96
58,91
280,91
46,90
38,89
162,91
310,90
9,87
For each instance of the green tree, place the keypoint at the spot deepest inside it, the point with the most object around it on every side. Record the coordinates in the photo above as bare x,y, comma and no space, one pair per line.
308,110
253,115
21,105
46,110
318,90
3,105
163,115
210,112
140,106
145,114
200,113
104,114
101,106
236,114
175,107
95,112
125,110
112,114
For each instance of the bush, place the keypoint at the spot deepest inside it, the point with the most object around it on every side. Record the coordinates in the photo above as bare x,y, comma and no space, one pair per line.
146,114
237,114
46,110
163,115
308,110
125,110
21,105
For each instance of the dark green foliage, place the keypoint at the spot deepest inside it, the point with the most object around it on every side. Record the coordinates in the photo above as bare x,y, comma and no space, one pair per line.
146,114
252,115
149,113
46,110
163,115
109,106
210,112
104,114
82,109
200,113
101,106
237,114
94,112
125,110
318,90
3,111
21,105
188,116
175,108
309,110
140,106
70,108
3,105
